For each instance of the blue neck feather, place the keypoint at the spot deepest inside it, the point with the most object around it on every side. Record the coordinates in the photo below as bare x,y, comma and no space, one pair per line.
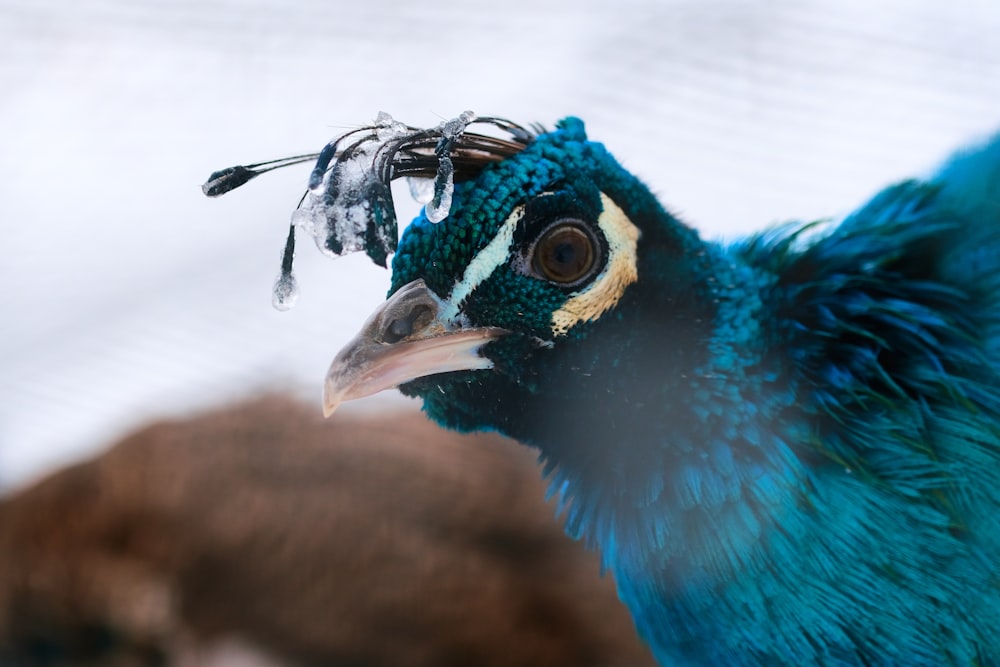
737,536
786,453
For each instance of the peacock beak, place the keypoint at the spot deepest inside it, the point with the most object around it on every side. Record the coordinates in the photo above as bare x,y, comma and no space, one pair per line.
407,337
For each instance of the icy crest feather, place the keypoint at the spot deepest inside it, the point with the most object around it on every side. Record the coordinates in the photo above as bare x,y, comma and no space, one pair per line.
348,206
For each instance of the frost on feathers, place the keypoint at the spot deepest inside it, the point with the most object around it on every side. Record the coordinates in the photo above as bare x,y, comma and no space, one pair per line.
421,189
285,292
348,205
439,206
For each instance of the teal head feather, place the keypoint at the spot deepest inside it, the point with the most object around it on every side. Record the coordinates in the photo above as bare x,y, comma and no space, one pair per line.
787,449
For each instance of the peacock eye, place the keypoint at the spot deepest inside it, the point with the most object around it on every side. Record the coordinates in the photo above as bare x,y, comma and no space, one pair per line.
566,253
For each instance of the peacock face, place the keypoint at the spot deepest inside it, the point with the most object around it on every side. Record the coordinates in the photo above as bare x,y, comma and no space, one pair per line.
537,251
533,245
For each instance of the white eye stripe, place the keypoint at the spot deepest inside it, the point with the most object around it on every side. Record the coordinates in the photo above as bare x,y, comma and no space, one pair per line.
588,304
604,292
484,264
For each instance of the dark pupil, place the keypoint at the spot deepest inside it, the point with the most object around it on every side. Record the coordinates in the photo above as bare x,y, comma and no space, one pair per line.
564,255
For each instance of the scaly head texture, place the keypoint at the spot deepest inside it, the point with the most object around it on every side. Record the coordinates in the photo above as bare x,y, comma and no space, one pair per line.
787,448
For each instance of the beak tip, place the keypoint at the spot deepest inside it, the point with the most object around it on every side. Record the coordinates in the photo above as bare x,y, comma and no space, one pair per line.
331,400
329,407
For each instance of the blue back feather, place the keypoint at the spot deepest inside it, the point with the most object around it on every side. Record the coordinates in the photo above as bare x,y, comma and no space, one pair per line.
839,499
866,528
787,449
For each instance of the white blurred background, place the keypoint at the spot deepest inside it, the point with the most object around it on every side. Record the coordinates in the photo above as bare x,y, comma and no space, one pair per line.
128,295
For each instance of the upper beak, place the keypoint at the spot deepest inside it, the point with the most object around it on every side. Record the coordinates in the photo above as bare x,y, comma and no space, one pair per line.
406,338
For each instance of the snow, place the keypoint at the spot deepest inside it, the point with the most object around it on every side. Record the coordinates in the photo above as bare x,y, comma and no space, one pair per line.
348,193
421,189
388,128
336,213
285,292
439,206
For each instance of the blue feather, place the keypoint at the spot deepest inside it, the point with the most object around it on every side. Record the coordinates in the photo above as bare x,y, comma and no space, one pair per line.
848,512
786,449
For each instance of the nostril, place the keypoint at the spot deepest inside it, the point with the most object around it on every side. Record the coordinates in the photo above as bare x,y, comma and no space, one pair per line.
403,326
398,330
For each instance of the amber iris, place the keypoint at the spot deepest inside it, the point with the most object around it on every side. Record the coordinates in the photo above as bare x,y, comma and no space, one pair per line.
565,253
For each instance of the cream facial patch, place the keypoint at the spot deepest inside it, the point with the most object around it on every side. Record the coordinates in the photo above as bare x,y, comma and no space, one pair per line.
606,290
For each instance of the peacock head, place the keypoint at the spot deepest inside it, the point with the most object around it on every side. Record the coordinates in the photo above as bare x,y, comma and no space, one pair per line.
517,306
533,294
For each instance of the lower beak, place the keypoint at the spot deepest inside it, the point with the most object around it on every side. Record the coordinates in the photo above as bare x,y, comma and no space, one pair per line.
405,339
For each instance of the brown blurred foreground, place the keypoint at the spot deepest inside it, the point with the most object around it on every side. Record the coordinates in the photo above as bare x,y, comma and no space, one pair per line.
263,535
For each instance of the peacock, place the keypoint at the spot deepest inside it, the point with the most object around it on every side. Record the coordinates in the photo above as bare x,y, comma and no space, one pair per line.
786,448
